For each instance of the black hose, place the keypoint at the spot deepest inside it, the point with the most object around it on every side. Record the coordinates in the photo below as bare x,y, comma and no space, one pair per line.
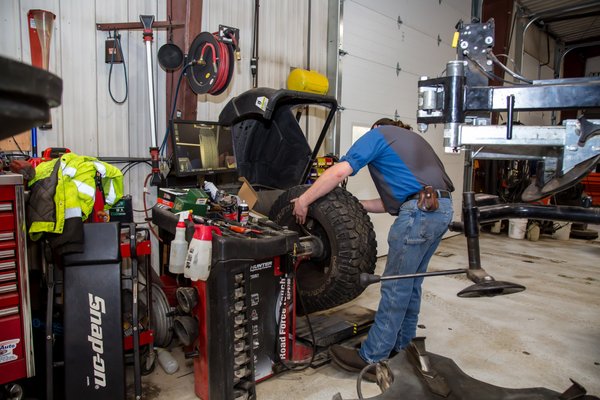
117,45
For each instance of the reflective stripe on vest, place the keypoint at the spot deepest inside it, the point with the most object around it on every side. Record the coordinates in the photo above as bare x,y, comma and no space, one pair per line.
112,195
85,188
69,171
72,212
100,168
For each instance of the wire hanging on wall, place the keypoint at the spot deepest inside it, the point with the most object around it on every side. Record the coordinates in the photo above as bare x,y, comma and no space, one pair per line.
117,49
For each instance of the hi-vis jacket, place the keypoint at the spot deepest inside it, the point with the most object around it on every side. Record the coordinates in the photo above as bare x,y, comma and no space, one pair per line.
64,189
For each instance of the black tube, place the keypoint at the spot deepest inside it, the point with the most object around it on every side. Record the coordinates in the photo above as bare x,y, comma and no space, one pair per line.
510,107
530,211
454,99
124,159
456,226
471,229
320,140
49,343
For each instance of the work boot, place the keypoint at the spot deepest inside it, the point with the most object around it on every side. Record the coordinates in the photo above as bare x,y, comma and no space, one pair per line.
349,360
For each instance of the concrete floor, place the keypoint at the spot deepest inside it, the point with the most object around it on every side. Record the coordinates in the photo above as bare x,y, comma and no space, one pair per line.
540,337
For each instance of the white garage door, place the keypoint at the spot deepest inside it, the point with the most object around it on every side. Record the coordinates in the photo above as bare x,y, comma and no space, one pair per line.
389,45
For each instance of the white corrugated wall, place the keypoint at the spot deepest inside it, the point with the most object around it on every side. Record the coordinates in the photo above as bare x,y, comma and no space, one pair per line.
283,44
90,123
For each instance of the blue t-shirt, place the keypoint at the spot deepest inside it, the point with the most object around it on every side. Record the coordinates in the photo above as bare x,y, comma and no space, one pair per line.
401,163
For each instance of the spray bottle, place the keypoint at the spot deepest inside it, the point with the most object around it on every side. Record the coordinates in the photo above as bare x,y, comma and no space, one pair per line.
179,248
198,260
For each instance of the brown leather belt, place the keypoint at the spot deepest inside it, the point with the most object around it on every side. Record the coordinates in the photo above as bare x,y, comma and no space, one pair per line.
442,194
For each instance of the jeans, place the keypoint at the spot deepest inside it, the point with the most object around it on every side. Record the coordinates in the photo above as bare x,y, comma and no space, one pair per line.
413,238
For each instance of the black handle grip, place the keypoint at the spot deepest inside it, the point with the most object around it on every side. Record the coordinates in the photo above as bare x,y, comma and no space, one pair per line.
368,279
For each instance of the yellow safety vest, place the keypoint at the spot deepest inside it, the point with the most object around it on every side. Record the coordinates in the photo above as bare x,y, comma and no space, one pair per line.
76,189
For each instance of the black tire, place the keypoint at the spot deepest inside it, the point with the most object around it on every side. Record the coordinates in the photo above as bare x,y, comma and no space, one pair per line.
345,228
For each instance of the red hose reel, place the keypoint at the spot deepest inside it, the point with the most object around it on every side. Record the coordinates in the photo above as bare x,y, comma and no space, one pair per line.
214,56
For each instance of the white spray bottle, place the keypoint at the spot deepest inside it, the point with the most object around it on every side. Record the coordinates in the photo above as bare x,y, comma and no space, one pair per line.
199,256
179,248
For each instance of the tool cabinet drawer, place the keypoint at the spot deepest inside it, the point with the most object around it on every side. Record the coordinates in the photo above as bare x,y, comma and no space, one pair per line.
8,265
8,276
7,236
9,300
7,216
11,347
7,253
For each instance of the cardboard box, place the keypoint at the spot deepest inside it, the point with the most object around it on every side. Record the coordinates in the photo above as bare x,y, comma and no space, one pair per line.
247,193
195,200
167,196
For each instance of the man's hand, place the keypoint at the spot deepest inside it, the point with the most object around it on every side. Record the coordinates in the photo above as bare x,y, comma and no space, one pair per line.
300,210
323,185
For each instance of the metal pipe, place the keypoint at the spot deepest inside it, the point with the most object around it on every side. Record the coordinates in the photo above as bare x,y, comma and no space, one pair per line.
510,107
550,13
577,46
368,279
151,91
320,140
530,211
425,274
471,230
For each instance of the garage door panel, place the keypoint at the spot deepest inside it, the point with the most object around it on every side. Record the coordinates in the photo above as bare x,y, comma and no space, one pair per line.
420,14
372,89
375,24
377,88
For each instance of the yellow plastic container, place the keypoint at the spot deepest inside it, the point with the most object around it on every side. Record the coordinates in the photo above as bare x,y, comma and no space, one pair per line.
307,81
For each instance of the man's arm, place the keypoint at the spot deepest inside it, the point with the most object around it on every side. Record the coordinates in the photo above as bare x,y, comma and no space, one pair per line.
373,206
332,177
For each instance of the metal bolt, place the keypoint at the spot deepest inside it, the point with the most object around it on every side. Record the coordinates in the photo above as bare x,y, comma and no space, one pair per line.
572,148
488,40
464,44
489,62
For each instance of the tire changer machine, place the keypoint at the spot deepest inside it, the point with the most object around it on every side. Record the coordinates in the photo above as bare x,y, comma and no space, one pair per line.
462,101
240,324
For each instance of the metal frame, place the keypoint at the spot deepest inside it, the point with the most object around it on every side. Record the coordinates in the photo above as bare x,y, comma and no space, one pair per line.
335,33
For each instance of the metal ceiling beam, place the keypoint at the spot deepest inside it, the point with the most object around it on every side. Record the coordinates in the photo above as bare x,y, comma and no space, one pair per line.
569,17
561,10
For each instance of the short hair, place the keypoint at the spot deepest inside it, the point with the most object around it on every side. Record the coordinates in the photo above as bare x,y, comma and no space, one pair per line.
389,121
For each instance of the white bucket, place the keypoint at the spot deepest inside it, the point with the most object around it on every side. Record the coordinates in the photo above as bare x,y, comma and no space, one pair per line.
517,228
562,230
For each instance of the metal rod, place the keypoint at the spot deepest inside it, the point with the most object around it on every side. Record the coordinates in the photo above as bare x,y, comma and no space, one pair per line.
320,140
530,211
510,106
123,26
135,314
471,229
151,91
425,274
49,343
255,31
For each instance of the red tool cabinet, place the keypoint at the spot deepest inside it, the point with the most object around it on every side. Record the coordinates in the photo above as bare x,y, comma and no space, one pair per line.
16,344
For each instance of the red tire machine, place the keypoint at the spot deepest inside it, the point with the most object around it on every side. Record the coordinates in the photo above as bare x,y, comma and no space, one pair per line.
241,326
